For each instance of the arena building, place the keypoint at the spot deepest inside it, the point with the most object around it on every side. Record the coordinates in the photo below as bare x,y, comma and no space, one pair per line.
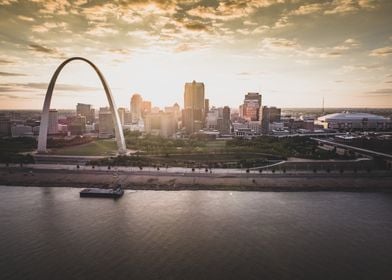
353,121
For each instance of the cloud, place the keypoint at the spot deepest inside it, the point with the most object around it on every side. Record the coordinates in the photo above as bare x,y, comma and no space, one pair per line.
101,31
331,54
61,87
333,7
350,6
282,22
183,48
342,7
5,61
7,2
24,18
308,9
100,13
361,67
250,23
385,51
381,92
368,4
273,43
119,51
45,50
11,96
244,74
196,26
47,26
50,7
11,74
17,87
348,44
39,29
229,10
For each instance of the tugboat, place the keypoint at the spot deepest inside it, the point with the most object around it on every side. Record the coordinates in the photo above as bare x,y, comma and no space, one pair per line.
115,192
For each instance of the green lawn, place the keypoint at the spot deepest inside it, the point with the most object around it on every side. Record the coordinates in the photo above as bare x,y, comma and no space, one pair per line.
95,148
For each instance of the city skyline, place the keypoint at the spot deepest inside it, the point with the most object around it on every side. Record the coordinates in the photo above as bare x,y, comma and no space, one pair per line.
294,53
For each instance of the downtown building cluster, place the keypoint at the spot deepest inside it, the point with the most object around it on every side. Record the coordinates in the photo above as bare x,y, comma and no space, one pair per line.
197,116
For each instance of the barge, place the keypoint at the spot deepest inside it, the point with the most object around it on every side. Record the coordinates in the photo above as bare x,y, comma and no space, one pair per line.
116,192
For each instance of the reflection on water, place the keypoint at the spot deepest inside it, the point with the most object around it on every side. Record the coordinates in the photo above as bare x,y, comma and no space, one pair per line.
51,233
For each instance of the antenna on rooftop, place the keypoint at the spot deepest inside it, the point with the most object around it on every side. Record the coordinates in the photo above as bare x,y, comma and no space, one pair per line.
322,111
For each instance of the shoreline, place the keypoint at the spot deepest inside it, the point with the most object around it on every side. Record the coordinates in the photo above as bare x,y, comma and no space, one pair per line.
361,182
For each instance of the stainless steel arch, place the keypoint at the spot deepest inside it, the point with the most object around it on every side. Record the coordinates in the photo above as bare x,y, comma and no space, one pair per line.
43,130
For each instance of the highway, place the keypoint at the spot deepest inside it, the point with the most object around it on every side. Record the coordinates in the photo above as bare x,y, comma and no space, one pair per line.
359,150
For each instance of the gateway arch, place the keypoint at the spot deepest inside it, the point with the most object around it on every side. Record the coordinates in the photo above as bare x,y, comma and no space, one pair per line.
43,130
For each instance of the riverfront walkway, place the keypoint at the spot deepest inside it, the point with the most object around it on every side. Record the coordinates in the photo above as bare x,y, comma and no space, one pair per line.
185,179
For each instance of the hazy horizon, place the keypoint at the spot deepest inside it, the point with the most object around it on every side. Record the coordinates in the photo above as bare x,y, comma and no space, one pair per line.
283,108
295,53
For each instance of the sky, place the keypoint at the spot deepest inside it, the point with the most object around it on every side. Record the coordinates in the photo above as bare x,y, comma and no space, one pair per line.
294,52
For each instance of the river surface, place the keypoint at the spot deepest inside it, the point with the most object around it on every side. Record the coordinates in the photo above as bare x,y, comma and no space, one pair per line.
51,233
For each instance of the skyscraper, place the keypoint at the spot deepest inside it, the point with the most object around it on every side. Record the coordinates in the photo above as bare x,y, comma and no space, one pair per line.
269,115
87,111
136,107
206,106
146,107
106,125
225,121
194,106
251,107
121,115
53,122
76,124
161,123
175,110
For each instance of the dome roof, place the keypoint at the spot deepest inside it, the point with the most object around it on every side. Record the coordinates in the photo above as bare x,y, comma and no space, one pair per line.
348,116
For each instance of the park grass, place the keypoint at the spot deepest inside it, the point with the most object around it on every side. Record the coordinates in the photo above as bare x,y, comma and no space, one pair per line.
96,148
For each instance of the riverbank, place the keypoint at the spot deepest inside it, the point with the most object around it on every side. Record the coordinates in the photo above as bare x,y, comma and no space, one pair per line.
148,180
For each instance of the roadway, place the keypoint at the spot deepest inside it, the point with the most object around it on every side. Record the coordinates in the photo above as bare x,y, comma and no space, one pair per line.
357,149
116,171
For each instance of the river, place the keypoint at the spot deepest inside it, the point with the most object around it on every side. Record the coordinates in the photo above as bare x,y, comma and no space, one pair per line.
51,233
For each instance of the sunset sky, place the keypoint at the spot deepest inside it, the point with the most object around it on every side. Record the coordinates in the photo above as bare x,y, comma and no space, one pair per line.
293,52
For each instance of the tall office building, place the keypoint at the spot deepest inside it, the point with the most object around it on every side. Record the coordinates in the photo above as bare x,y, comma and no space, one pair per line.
136,107
225,128
219,119
206,107
212,119
53,124
121,114
274,114
106,124
268,116
87,111
161,123
251,107
76,124
175,110
146,107
241,111
194,107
